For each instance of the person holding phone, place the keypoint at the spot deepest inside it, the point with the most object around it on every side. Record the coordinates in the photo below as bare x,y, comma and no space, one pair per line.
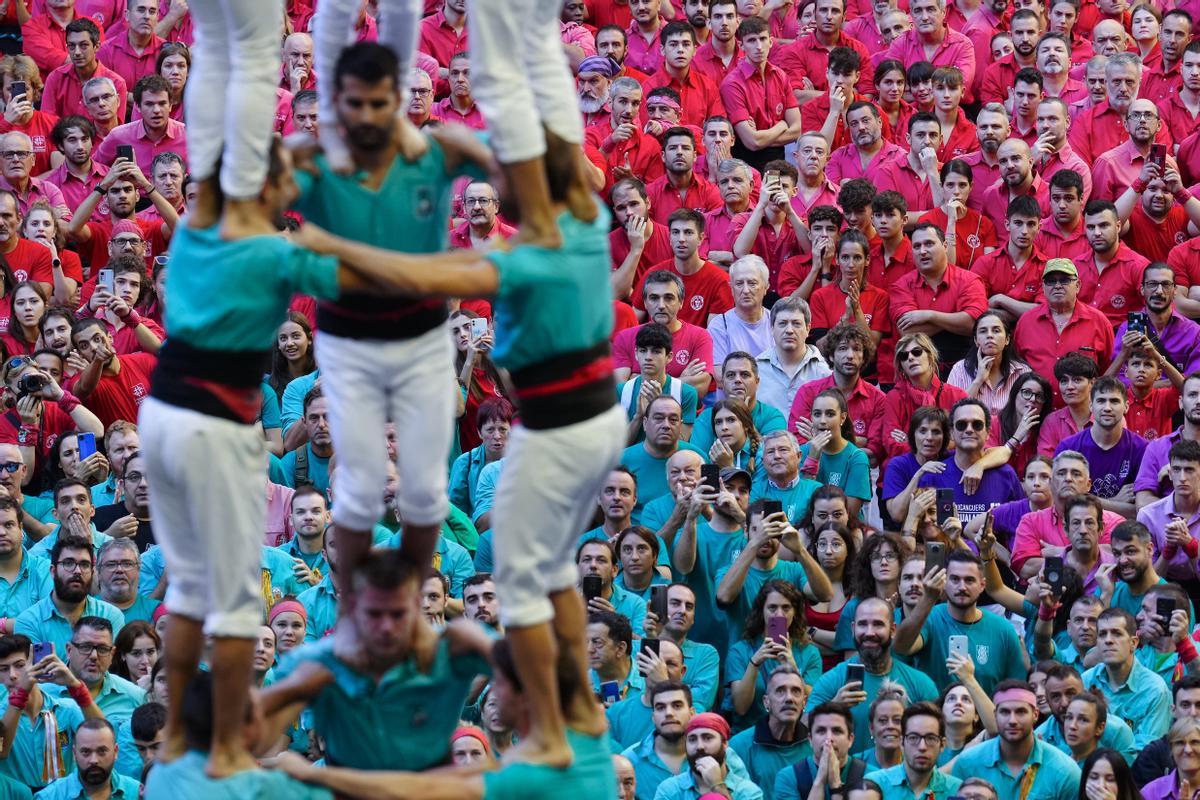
477,374
596,560
1164,633
609,640
635,719
154,132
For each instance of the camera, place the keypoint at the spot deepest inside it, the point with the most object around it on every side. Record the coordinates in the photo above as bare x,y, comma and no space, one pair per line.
31,383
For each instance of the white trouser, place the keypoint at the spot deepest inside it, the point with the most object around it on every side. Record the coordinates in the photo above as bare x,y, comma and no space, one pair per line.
333,30
230,95
547,492
520,77
368,383
208,499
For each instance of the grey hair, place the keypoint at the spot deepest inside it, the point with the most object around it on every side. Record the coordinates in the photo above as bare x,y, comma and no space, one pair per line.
120,543
752,262
732,164
623,83
767,437
1072,455
1124,60
791,303
94,82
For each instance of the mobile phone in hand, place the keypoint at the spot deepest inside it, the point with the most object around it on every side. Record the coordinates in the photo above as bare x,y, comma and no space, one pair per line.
770,507
945,505
125,151
1164,607
958,646
856,673
479,326
593,586
935,556
18,88
710,476
1158,155
777,629
41,650
1053,570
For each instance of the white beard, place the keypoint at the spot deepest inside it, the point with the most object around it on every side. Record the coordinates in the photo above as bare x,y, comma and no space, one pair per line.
589,106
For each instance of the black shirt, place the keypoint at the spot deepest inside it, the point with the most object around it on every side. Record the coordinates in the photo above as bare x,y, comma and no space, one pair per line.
107,515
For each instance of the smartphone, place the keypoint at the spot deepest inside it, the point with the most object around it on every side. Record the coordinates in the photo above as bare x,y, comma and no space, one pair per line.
777,628
1164,607
1158,155
958,646
104,278
479,327
87,444
592,587
18,88
125,151
935,556
1053,570
710,476
1135,321
658,602
856,672
770,507
41,650
610,693
945,505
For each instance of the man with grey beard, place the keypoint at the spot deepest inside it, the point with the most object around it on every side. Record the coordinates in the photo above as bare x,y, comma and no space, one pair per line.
595,76
992,127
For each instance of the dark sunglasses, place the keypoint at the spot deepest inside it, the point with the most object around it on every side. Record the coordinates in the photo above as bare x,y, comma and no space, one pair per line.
916,352
962,424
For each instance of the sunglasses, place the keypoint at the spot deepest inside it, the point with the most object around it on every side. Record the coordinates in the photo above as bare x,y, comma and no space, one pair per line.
11,466
961,425
916,352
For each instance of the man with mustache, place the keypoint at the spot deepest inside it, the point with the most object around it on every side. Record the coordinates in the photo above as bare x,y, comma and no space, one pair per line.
874,629
661,754
780,738
705,741
593,81
1025,27
1102,128
483,225
628,151
95,754
1063,684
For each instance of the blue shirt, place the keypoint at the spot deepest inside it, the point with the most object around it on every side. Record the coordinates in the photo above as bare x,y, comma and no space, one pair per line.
737,611
464,477
24,762
651,472
683,787
320,603
71,788
714,551
152,570
1057,775
43,547
1117,736
629,721
654,515
314,561
42,621
404,718
117,698
143,609
767,419
918,684
33,583
283,470
649,769
590,776
703,664
894,782
279,577
291,405
808,661
184,779
1143,701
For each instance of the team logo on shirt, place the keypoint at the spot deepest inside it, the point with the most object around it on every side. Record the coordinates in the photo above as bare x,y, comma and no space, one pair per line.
682,356
39,144
20,275
779,108
697,302
1117,301
973,241
982,651
1179,237
139,391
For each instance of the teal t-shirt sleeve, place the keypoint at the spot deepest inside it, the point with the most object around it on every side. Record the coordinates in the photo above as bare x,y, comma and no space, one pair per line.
703,675
270,408
460,490
825,688
808,661
843,635
690,401
483,553
309,273
786,787
279,470
735,663
772,420
858,475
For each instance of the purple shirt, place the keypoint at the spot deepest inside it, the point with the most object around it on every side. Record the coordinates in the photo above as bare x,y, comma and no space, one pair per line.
1005,519
1113,468
1180,339
1153,460
1164,788
1155,517
896,475
999,485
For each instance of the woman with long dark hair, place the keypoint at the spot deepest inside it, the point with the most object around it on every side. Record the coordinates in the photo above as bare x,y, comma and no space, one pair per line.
1106,776
736,441
29,302
974,234
137,649
991,366
293,354
1019,423
755,655
833,548
830,455
875,573
174,62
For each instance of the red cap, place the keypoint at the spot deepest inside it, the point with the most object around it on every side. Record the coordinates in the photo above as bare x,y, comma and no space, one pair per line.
127,226
714,722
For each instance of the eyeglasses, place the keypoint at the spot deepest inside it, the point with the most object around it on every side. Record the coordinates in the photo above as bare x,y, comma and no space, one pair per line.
879,558
87,648
477,201
70,565
11,466
421,92
1031,395
1166,286
914,739
135,477
125,565
1135,115
16,155
162,261
128,242
961,425
916,352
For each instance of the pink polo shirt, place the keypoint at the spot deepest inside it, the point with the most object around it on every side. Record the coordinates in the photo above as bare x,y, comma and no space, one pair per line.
1066,158
472,119
641,54
45,41
983,175
846,162
39,189
899,176
63,93
826,195
1176,116
1046,527
1115,169
865,30
1056,243
994,203
74,190
763,99
772,246
118,55
1100,129
1160,83
1058,425
955,50
439,39
808,58
174,140
460,236
718,229
709,62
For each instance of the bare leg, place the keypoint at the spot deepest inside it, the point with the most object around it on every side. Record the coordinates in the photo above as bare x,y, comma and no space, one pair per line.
535,654
232,670
418,544
184,646
581,712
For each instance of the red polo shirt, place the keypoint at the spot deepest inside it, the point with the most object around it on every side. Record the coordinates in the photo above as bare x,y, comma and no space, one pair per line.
37,129
698,95
983,175
439,39
31,262
1001,275
1185,260
763,99
815,111
962,139
473,119
974,232
63,93
1114,170
118,55
1041,344
710,64
958,290
1155,239
657,248
899,176
665,199
994,203
1160,83
704,292
1055,243
1117,290
865,404
773,247
794,271
828,304
884,273
1150,417
998,79
1100,129
45,41
1175,115
640,152
808,58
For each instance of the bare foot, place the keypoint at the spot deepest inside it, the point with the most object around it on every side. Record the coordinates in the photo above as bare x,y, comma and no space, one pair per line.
226,762
531,751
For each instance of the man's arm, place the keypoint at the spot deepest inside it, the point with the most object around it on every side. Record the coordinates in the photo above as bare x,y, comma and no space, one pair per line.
754,139
908,633
744,244
440,785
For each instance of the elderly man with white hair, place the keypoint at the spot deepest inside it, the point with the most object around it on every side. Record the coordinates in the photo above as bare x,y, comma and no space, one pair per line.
746,326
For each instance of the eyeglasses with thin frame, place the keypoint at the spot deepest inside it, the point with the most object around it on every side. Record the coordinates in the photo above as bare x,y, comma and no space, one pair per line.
914,739
880,556
1166,286
124,564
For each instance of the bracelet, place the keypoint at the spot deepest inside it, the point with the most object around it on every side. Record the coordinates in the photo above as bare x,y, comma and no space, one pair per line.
17,698
1182,196
1192,548
68,402
132,319
80,694
100,190
756,666
1047,613
1186,649
1138,185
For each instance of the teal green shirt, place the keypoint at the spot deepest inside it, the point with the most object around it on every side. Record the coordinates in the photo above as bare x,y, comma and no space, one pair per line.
404,718
283,470
629,721
648,767
207,309
808,661
117,697
184,779
464,476
703,664
683,787
453,561
320,603
767,419
714,552
43,547
42,508
894,782
848,469
1057,775
71,788
590,776
143,609
1117,736
24,762
33,583
918,685
994,647
796,497
42,622
314,561
651,472
1122,597
764,755
279,577
654,514
673,387
129,760
786,571
551,302
1143,701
